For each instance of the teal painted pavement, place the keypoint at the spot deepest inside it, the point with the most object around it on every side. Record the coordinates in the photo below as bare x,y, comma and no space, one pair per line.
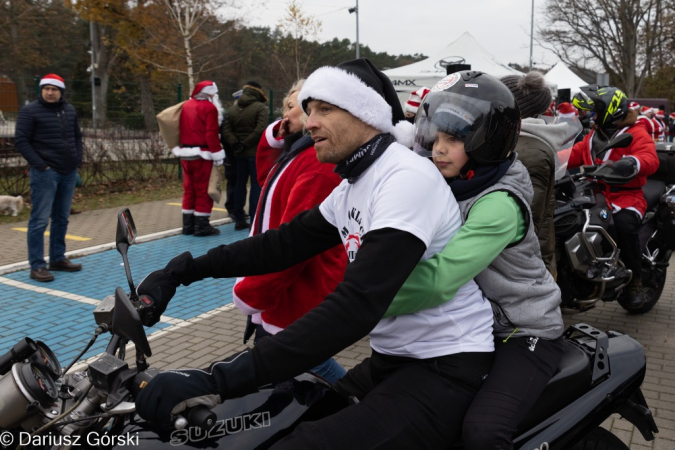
66,325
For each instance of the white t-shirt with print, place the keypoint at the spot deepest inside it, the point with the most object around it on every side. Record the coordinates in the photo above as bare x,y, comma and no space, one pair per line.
404,191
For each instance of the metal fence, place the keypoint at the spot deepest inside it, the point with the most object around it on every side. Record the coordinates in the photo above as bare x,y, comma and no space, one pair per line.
121,147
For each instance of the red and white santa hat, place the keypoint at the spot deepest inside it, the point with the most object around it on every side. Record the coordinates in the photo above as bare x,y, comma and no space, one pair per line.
53,80
634,105
208,87
565,109
645,110
672,115
660,114
416,98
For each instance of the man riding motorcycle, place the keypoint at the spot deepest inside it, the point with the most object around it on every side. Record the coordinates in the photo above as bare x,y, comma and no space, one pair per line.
612,118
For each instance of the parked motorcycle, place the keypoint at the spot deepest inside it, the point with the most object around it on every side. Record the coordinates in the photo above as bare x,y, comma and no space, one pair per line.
43,406
589,264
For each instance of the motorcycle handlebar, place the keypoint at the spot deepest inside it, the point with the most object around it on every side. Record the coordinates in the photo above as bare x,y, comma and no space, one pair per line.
198,416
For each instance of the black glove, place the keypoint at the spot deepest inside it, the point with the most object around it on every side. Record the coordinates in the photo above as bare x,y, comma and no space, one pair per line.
625,167
161,284
172,391
238,148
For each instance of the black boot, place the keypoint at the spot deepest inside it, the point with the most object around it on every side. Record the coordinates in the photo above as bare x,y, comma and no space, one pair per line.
188,223
634,296
203,227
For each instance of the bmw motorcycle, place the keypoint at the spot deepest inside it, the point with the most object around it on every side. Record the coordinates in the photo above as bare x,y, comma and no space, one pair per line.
589,263
45,407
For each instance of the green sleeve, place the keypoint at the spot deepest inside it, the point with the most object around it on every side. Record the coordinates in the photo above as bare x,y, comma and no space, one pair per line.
494,222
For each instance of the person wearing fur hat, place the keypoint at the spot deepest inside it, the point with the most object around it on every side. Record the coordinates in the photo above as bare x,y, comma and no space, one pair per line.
199,150
612,118
245,124
48,135
537,149
424,370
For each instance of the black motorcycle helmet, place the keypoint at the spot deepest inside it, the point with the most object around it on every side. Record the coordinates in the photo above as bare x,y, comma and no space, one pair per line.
610,104
475,107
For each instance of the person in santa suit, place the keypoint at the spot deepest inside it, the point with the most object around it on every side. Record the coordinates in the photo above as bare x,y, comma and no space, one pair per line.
659,117
612,118
293,180
413,103
645,119
200,149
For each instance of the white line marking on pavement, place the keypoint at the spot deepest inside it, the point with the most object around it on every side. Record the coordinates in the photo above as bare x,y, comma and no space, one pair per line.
177,324
54,292
68,295
15,267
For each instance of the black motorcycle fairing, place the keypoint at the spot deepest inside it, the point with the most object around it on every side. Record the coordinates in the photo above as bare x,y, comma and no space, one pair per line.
255,421
570,424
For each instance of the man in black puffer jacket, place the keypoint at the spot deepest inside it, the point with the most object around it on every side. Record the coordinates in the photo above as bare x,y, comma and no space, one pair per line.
48,135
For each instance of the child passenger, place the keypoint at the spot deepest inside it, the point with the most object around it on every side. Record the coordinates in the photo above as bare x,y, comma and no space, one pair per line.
469,124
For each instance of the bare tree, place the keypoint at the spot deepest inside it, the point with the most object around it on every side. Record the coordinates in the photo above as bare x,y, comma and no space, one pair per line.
619,37
297,26
189,18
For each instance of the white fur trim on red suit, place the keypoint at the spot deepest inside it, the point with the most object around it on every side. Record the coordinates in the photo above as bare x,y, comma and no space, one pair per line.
347,91
272,141
186,152
242,305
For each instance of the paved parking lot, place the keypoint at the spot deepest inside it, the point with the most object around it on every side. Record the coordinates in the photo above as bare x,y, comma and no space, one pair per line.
201,325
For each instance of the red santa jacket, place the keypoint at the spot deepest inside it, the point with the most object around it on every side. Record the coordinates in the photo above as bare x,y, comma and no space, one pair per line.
642,149
269,149
199,131
648,124
278,299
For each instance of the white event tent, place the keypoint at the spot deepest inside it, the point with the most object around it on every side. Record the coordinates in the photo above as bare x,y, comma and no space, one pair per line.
562,77
429,71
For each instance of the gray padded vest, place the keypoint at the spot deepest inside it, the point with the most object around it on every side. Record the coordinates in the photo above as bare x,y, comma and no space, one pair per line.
522,292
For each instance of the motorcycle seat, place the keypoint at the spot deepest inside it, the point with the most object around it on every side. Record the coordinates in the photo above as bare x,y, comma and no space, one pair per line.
652,191
572,380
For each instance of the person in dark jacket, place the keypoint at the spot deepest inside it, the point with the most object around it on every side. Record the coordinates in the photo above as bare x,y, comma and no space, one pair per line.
537,149
48,135
230,163
245,124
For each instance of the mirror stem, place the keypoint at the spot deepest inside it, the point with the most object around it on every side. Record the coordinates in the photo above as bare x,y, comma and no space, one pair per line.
122,248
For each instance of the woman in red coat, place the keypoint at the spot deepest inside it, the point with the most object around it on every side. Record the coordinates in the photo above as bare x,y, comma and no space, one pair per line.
612,118
293,181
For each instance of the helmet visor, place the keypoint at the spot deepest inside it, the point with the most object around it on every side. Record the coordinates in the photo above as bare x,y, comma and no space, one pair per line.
447,112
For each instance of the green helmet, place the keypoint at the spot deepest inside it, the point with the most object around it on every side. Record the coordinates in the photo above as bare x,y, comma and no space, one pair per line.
610,104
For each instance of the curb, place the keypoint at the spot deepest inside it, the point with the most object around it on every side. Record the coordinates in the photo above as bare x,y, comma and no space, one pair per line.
15,267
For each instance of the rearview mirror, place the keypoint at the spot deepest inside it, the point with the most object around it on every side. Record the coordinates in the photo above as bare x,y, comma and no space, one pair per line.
126,235
621,141
127,322
126,229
